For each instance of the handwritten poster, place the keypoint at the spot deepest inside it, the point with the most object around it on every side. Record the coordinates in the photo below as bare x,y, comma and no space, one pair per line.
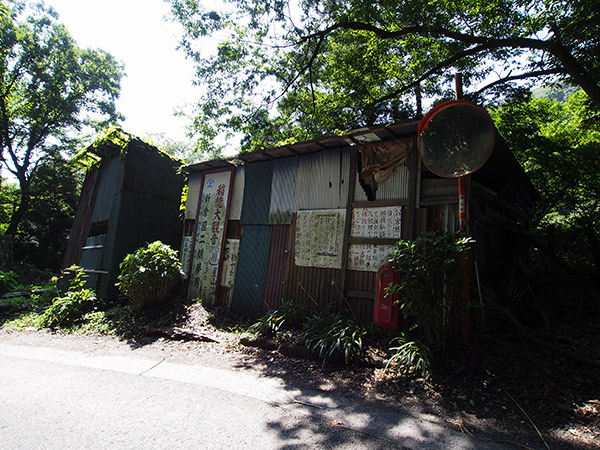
209,235
320,238
380,222
368,257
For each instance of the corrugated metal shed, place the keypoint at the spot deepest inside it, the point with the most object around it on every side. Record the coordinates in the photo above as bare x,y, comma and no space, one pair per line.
132,199
286,184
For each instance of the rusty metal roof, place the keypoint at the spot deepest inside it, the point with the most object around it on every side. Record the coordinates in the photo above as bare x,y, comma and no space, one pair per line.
355,137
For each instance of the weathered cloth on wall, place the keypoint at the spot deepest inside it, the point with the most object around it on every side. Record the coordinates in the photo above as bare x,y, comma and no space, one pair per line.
380,159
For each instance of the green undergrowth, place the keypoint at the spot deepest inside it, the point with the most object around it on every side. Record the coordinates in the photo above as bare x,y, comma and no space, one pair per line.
335,336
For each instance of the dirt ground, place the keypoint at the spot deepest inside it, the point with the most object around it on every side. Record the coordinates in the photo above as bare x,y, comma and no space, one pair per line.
501,388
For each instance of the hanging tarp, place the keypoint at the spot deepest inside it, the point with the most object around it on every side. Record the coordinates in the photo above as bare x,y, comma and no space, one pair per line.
320,238
210,231
379,160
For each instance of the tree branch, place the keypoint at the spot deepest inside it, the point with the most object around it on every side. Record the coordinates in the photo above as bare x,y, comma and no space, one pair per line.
441,65
423,30
521,76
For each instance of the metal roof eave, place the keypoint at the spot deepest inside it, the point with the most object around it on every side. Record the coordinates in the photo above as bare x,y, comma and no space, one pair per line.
356,137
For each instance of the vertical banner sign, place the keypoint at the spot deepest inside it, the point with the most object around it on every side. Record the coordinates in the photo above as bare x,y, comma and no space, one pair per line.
230,261
212,216
185,255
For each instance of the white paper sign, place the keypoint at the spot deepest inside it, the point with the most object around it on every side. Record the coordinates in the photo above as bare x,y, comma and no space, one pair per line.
380,222
320,238
367,257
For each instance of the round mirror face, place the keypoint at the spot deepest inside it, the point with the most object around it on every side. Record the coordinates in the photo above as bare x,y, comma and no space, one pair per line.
456,139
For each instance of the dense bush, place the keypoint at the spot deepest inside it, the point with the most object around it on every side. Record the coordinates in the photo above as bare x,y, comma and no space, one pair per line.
149,274
430,286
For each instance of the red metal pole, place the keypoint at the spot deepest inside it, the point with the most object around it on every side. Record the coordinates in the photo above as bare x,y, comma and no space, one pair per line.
465,297
465,315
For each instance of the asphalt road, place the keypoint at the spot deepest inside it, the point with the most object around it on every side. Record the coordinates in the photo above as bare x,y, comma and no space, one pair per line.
57,399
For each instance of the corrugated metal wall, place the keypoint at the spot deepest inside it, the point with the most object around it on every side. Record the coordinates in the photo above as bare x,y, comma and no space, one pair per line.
309,284
257,193
283,191
275,276
111,179
321,180
251,271
363,283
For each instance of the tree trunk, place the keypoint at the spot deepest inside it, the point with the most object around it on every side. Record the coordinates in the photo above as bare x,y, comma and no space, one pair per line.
17,217
579,73
594,245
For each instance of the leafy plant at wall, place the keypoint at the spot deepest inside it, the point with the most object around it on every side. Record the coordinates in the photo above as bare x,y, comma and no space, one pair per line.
149,274
430,286
334,335
410,357
288,316
69,309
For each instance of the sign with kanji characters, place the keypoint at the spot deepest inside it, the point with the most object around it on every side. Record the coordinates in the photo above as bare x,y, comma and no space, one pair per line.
380,222
230,261
212,213
368,257
185,255
320,238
